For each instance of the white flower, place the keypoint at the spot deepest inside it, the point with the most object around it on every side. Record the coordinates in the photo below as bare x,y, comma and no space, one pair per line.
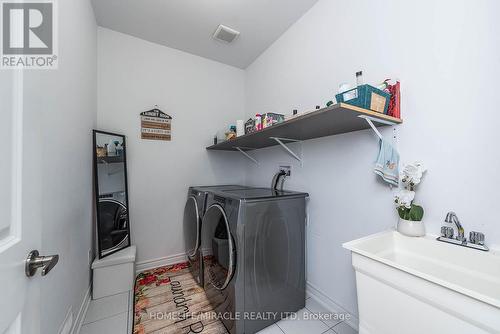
404,198
412,173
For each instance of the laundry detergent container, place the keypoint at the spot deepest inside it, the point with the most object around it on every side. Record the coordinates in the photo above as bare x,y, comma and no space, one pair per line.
114,274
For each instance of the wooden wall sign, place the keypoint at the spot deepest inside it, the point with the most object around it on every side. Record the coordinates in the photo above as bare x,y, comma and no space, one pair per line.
156,125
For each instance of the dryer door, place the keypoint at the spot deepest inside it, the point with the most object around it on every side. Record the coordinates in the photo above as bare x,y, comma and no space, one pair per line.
191,227
218,248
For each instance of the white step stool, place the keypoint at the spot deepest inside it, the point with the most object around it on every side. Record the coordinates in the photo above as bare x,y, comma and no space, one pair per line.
114,274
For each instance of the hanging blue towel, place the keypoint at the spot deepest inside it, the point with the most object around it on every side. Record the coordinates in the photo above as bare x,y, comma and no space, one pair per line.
387,165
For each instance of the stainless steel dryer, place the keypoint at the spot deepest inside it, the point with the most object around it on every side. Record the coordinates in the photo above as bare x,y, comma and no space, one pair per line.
193,214
253,250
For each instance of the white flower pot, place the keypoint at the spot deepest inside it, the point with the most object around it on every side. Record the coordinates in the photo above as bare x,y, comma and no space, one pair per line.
411,228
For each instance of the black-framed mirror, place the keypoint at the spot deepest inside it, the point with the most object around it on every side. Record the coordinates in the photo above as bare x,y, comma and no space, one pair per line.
111,192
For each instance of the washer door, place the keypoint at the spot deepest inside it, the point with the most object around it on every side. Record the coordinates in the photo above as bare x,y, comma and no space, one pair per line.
191,227
219,253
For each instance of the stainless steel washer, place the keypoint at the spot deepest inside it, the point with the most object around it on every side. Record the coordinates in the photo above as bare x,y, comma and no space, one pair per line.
253,251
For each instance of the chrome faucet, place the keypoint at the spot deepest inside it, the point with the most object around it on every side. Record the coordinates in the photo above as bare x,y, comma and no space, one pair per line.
452,218
476,239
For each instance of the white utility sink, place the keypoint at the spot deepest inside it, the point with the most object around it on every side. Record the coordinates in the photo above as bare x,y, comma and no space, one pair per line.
420,285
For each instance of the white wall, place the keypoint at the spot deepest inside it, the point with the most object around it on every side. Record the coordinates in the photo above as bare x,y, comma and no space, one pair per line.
201,95
66,101
446,55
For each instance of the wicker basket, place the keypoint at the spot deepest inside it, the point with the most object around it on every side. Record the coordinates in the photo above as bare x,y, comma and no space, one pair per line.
101,151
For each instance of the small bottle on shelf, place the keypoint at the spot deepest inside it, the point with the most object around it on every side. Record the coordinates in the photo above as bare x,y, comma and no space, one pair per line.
359,78
258,122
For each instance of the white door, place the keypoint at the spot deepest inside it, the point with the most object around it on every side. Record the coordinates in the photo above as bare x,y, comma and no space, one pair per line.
20,209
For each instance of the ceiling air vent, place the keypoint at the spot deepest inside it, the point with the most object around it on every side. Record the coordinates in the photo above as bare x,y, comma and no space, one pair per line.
225,34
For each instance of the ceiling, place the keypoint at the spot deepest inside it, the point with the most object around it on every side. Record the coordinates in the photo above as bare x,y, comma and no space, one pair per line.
188,25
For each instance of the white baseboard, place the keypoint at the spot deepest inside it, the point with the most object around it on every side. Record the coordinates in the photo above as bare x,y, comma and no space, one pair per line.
80,317
333,307
67,324
160,262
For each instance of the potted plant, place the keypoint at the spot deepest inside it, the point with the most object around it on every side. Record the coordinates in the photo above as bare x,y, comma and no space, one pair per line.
410,214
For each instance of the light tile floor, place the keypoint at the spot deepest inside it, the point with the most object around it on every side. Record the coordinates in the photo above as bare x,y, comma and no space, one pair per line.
110,315
307,323
113,315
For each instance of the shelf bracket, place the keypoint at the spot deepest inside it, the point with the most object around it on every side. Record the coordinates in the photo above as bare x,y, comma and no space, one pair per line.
280,141
246,155
378,120
374,128
370,121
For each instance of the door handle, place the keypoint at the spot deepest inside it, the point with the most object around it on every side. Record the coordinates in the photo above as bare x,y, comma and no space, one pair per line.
35,261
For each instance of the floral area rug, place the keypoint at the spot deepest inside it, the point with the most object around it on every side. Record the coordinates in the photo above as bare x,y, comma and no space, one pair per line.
168,300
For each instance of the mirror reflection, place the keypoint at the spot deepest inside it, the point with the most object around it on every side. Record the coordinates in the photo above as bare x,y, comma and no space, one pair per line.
113,231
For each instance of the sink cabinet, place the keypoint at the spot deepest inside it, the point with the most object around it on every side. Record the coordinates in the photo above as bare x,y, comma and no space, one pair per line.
418,285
